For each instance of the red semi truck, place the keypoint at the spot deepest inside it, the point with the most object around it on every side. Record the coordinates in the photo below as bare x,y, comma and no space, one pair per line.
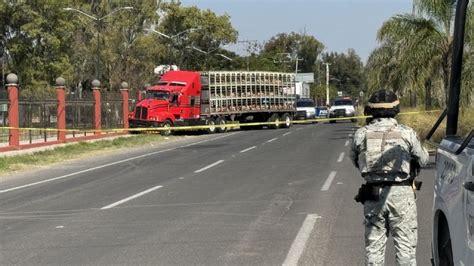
186,98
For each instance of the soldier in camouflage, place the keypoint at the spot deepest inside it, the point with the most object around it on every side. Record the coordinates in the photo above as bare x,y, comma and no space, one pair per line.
382,151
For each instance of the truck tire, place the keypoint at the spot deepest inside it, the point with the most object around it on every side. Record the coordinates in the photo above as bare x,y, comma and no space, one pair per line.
167,132
275,118
287,119
220,122
212,126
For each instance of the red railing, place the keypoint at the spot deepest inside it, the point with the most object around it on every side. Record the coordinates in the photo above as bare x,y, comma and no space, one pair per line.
62,134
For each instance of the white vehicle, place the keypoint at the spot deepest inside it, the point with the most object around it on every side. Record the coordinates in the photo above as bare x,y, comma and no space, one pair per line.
342,107
453,205
305,109
453,208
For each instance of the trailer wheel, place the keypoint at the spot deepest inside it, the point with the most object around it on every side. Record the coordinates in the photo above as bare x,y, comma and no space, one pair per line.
275,118
287,119
220,122
167,131
212,126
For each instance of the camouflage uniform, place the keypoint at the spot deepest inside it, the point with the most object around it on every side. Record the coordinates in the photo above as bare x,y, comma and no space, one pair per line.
395,211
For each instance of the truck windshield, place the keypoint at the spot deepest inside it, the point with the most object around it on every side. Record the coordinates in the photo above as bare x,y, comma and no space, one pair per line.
305,104
158,95
342,102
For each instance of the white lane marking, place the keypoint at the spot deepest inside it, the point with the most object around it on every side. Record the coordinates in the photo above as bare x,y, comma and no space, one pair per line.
347,143
209,166
85,171
248,149
199,142
268,141
130,198
109,164
329,180
287,133
350,135
301,238
341,157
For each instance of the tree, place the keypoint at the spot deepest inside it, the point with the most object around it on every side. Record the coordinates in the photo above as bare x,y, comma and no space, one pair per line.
210,33
346,72
416,51
36,44
297,45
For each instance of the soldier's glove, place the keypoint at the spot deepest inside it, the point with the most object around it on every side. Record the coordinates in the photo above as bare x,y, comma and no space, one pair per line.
417,185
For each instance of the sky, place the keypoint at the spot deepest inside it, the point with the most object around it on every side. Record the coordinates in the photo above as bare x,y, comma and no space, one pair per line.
338,24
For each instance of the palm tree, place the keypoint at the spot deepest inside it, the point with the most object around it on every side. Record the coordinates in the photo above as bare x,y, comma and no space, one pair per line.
420,45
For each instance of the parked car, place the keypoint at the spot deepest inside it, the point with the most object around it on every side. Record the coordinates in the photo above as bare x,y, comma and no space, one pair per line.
305,109
321,112
342,107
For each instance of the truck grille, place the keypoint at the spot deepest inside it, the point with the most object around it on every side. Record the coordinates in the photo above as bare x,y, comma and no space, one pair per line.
301,114
141,113
340,112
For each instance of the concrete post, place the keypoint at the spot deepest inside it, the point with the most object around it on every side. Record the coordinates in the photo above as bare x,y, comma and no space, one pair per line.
13,110
124,92
61,112
97,106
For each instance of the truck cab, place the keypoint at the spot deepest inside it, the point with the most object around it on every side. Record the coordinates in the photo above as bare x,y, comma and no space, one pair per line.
342,107
305,109
174,100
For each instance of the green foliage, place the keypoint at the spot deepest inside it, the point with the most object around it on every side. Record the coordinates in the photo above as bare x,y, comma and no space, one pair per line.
99,39
192,27
36,43
346,72
318,91
415,54
76,150
305,47
42,41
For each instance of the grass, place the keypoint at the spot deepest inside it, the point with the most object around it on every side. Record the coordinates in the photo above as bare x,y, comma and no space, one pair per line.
74,151
423,122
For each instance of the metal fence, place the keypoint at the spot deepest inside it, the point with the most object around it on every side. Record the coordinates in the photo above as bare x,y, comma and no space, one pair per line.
112,110
40,114
80,115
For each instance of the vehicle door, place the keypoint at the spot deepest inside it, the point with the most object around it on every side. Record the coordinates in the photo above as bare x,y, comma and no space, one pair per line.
468,201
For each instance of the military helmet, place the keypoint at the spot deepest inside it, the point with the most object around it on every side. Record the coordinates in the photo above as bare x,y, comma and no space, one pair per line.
383,103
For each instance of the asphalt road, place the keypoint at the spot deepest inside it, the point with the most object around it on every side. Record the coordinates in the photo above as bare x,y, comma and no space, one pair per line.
263,197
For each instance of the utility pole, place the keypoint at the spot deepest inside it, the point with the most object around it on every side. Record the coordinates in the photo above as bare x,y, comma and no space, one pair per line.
327,82
249,43
290,58
296,72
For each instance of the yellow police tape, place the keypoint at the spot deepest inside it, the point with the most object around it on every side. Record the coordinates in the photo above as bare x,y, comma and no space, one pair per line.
183,128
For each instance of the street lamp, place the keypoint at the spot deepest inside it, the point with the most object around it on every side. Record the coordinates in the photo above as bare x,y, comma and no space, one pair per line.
225,57
207,53
97,20
174,38
291,58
